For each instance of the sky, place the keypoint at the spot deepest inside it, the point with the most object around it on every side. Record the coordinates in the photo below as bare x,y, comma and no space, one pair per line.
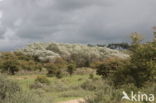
74,21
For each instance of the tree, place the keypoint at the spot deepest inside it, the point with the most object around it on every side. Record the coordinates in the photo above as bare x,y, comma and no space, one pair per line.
71,69
9,63
53,70
141,67
118,45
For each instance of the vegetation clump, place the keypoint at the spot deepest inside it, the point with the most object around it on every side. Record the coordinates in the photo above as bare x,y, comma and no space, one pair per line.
43,80
71,68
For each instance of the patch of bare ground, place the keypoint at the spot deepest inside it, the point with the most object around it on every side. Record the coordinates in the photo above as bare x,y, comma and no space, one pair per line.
80,100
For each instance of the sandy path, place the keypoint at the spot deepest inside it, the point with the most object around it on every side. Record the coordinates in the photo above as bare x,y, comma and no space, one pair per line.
74,101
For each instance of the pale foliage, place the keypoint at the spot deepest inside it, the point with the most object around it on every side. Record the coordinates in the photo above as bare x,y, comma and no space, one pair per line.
50,51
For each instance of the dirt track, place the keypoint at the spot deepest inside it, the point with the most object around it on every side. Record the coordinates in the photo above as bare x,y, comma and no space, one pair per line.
74,101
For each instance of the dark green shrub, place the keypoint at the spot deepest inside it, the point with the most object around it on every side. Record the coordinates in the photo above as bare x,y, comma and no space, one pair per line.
9,63
109,66
91,76
71,68
10,66
131,73
59,74
141,67
51,68
55,69
81,59
30,65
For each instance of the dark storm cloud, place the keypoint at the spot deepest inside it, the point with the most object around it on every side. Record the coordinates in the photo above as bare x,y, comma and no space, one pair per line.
82,21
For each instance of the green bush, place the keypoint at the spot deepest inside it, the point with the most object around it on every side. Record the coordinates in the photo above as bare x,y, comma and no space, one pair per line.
30,65
71,68
132,73
51,68
104,93
12,62
92,84
7,88
27,97
141,67
43,80
54,70
72,93
91,76
10,92
109,66
9,63
81,59
59,86
40,82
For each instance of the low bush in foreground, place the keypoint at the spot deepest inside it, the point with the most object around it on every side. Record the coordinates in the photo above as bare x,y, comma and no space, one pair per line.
40,82
107,93
10,92
42,79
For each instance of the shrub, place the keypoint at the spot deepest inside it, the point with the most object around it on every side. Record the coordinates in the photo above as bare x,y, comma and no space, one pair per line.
7,88
141,67
12,62
27,97
81,59
9,63
40,82
84,71
59,86
37,85
109,66
108,94
131,73
10,66
92,84
91,76
56,68
30,65
71,68
72,93
10,92
52,69
43,80
104,93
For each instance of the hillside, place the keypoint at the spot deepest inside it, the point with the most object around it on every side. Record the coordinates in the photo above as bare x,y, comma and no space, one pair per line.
50,51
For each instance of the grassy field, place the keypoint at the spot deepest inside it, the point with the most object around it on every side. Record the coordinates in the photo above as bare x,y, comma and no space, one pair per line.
63,89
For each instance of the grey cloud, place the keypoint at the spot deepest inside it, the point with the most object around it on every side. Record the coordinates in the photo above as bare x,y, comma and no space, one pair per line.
81,21
79,4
